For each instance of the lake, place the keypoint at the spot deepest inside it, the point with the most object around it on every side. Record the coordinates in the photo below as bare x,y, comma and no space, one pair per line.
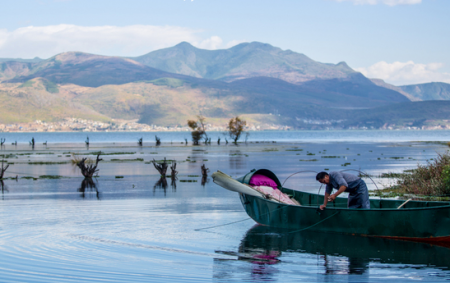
131,226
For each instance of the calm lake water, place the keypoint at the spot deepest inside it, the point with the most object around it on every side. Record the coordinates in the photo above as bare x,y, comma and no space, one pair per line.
285,136
141,229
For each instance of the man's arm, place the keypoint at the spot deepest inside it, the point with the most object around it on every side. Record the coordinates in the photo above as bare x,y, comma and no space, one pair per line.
325,201
340,191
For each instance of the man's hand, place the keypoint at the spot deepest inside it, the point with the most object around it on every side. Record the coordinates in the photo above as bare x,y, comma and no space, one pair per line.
332,197
322,207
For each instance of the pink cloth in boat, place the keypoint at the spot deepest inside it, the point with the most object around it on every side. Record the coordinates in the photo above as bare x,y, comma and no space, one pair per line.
276,194
261,180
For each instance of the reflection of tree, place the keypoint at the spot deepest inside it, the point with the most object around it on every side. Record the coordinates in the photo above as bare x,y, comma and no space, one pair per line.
161,184
237,160
88,184
174,184
4,188
205,180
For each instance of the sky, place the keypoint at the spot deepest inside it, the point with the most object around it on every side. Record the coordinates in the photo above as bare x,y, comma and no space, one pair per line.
399,41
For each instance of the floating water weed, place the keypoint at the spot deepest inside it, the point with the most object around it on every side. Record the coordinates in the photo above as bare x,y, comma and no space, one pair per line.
50,177
47,162
127,160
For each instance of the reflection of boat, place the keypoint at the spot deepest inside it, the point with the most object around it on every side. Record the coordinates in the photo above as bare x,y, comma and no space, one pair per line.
262,240
415,220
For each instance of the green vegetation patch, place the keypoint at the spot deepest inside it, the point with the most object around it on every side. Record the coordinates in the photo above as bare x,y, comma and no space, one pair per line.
294,149
346,164
127,160
431,180
96,153
7,156
307,160
188,181
29,83
160,161
170,82
392,175
47,162
193,175
330,156
269,149
50,177
396,157
50,86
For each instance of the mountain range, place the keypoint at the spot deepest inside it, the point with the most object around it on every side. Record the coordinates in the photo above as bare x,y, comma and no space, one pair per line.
169,86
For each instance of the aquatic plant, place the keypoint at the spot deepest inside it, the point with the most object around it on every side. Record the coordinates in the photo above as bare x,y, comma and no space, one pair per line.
50,177
127,160
47,162
432,179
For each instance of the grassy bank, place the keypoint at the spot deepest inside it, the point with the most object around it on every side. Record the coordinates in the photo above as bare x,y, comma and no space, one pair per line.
431,181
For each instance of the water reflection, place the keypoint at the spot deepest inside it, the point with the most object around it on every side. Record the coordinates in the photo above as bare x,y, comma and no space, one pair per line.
89,185
337,254
237,160
4,187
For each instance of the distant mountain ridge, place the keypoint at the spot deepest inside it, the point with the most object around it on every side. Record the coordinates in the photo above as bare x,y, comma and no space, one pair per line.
428,91
168,86
245,60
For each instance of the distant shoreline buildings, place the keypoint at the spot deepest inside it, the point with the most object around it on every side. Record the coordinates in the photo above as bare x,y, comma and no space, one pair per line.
83,125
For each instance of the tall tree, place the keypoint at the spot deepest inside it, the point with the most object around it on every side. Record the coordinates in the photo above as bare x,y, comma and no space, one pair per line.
235,128
198,129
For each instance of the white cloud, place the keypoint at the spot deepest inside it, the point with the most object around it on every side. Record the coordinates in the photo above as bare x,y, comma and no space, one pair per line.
386,2
135,40
402,73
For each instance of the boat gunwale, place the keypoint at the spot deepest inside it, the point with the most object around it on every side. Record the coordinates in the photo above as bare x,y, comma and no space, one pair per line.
355,209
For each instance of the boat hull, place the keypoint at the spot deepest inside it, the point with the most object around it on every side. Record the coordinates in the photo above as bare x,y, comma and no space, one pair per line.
415,221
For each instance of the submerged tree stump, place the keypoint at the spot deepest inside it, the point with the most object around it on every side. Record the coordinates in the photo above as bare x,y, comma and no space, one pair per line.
140,141
161,167
158,140
3,169
89,170
2,141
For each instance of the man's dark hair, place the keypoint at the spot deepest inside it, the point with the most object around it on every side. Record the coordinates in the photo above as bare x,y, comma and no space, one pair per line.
321,175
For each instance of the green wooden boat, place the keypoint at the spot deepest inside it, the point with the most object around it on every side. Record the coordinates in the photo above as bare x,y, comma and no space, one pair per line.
426,221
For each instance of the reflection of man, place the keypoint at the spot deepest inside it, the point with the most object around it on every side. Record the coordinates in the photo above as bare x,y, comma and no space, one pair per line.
344,182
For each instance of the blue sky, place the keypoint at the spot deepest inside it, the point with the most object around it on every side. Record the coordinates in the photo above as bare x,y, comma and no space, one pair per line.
400,41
